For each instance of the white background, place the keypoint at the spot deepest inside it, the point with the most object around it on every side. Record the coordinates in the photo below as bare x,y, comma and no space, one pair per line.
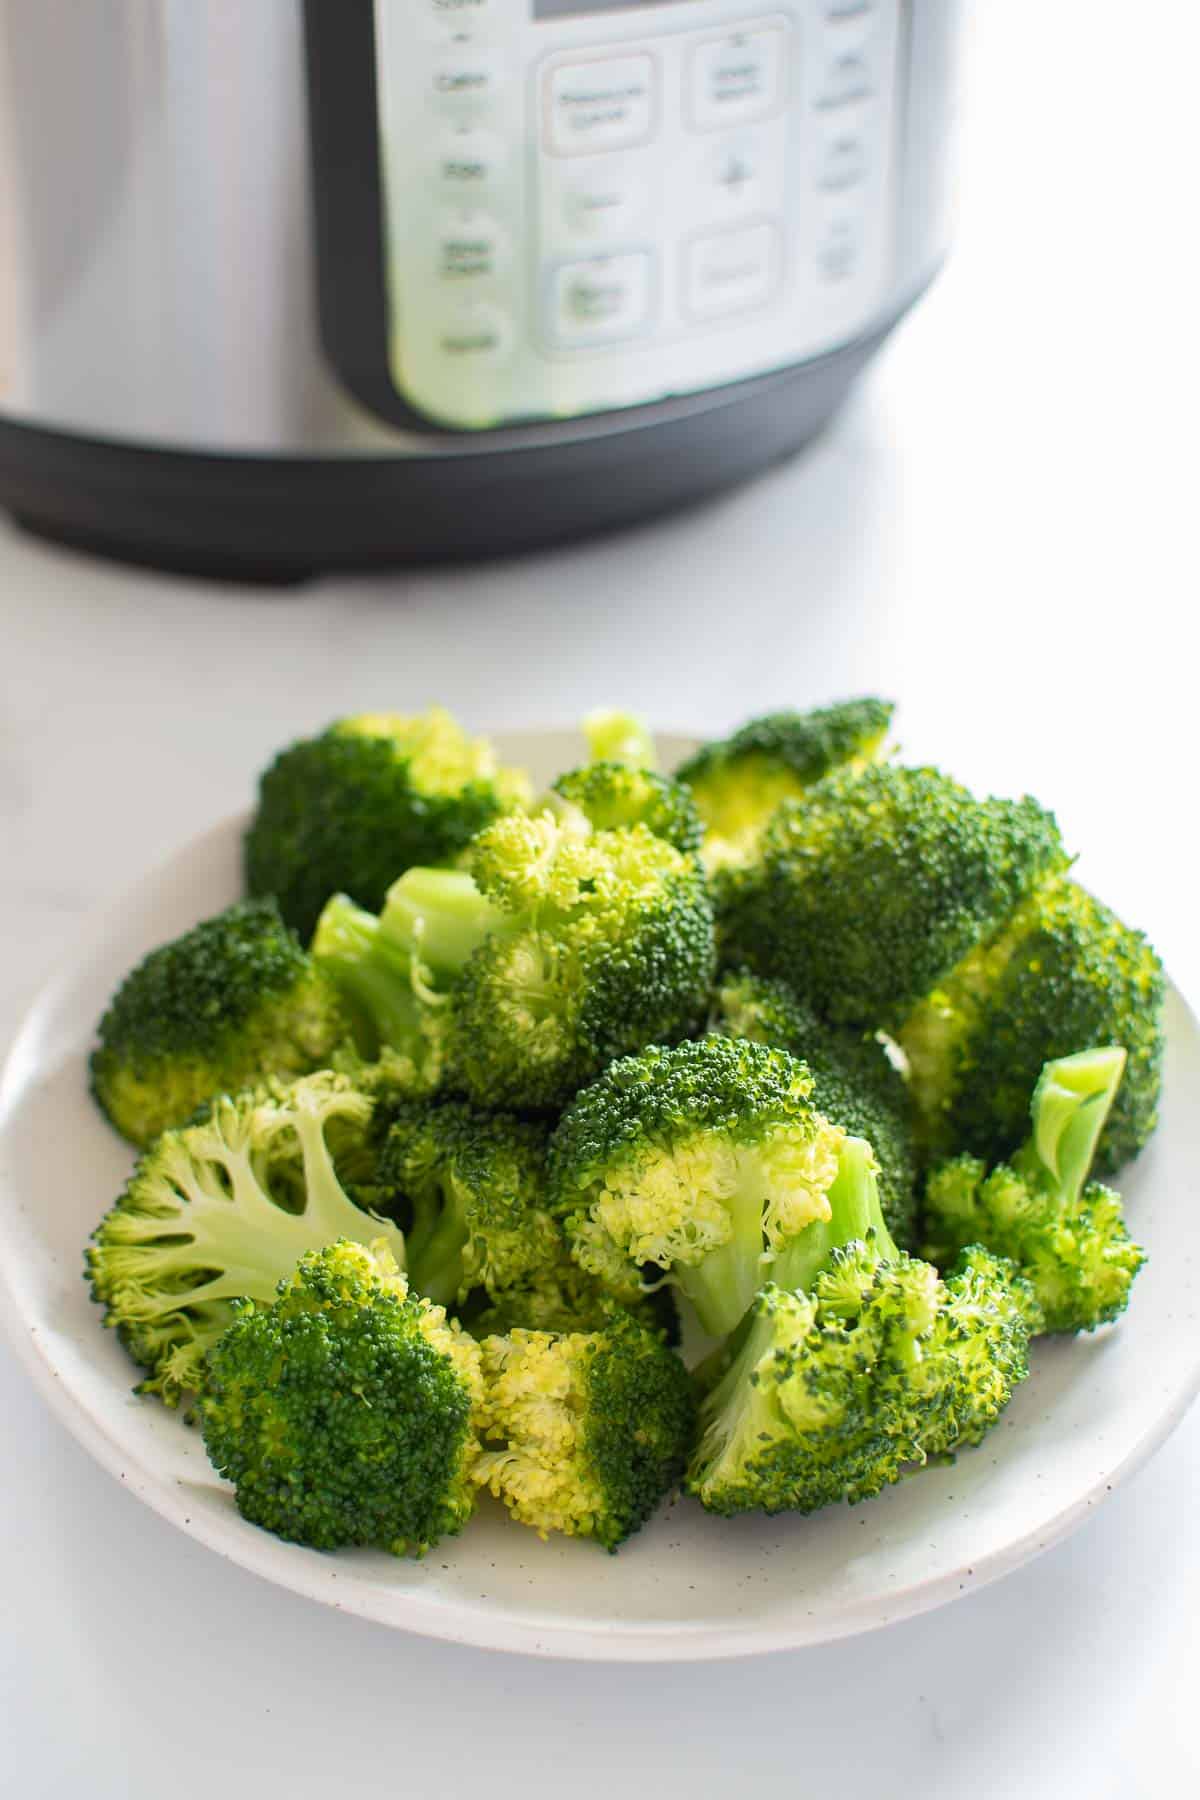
1000,532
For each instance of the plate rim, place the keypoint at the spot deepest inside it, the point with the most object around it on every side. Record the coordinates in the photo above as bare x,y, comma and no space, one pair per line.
320,1578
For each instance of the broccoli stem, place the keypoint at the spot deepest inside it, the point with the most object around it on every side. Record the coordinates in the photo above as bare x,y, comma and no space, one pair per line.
854,1212
372,973
435,1241
724,1283
1071,1102
438,917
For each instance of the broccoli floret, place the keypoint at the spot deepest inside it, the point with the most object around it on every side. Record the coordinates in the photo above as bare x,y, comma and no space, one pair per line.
585,1432
872,890
469,1189
560,949
221,1210
229,1002
855,1366
739,781
855,1083
1063,972
611,794
350,810
706,1161
619,737
343,1413
562,1297
1066,1234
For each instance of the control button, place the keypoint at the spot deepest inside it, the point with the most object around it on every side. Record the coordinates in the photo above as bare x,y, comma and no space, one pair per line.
606,297
467,79
601,105
475,334
731,271
847,77
844,159
605,201
467,161
471,247
736,79
734,172
460,14
839,248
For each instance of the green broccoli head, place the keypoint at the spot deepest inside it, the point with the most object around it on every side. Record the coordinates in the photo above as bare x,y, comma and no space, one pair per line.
613,794
585,1431
1061,973
562,1297
232,1000
343,1412
221,1210
872,890
608,946
738,782
619,737
470,1190
1065,1233
706,1161
855,1083
830,1394
350,810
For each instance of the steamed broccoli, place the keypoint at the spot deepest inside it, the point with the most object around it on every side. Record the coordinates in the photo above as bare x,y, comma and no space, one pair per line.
857,1361
344,1412
470,1190
562,1297
739,781
855,1083
562,948
611,794
705,1161
222,1209
1066,1234
373,795
872,889
585,1432
1060,973
232,1000
619,737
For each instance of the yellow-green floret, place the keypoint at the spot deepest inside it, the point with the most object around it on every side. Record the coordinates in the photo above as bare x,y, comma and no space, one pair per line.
469,1189
221,1210
345,1411
585,1432
871,890
612,794
738,782
350,810
231,1001
855,1082
705,1161
1062,973
830,1394
615,736
1066,1234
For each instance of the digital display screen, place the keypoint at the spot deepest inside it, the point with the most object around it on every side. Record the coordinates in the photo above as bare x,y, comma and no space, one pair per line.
574,9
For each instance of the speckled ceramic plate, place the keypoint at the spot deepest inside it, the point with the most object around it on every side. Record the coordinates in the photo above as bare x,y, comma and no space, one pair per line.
688,1586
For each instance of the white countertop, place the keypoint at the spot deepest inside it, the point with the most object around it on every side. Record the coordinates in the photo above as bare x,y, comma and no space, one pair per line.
999,532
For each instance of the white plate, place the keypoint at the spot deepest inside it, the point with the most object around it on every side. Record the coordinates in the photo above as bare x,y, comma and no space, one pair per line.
688,1586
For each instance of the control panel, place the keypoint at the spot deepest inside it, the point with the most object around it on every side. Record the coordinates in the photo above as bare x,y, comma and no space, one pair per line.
592,204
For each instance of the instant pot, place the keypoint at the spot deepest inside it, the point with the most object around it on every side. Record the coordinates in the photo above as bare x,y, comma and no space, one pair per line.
286,286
